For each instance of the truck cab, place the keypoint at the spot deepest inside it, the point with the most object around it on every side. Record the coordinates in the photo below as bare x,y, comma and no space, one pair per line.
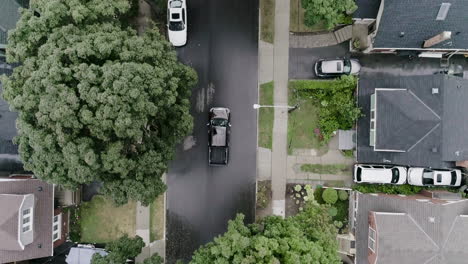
219,128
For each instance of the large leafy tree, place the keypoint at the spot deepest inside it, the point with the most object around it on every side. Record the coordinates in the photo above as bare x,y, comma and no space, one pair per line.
95,100
122,249
331,12
308,237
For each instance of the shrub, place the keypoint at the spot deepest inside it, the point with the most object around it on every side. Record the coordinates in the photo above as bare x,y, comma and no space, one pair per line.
336,102
332,211
338,224
263,194
330,196
342,214
405,189
318,194
330,12
343,195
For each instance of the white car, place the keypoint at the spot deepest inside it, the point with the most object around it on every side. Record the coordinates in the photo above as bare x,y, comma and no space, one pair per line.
434,177
366,173
177,22
336,67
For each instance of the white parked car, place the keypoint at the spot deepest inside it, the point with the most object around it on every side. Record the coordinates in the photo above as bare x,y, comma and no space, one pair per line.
177,22
434,177
366,173
336,67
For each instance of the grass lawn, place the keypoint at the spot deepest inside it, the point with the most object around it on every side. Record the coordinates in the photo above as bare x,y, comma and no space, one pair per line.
296,19
267,20
326,168
302,122
266,116
102,221
157,219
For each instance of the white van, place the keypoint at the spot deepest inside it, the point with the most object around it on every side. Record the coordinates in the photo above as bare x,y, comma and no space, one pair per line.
367,173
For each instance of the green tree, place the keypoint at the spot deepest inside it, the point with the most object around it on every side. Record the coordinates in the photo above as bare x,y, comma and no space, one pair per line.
308,237
120,250
330,196
95,100
125,248
331,12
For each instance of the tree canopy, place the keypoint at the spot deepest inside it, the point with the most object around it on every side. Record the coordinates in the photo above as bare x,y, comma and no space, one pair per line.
330,12
308,237
122,249
95,100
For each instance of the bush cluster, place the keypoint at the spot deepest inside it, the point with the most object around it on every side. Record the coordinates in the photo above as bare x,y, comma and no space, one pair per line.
336,102
405,189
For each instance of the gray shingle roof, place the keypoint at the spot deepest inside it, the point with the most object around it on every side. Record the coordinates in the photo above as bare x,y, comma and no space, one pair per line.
83,255
9,15
10,206
401,112
409,120
413,238
417,19
42,219
367,9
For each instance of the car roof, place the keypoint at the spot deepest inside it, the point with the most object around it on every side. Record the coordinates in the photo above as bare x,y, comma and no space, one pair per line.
376,175
332,66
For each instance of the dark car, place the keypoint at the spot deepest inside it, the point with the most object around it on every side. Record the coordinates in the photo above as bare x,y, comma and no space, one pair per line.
336,67
219,127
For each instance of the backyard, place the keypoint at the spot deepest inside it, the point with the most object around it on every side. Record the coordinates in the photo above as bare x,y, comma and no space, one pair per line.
101,221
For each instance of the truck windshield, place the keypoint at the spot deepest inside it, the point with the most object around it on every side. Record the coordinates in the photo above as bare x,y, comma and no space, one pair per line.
219,122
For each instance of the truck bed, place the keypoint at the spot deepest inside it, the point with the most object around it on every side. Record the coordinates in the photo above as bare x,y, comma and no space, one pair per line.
218,155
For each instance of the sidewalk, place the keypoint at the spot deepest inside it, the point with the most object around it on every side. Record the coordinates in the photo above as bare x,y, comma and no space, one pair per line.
280,127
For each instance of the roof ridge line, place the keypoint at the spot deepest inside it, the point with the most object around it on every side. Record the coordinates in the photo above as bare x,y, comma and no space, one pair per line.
422,102
421,139
424,232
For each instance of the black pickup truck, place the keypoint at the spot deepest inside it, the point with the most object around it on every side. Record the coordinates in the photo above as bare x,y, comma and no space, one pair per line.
219,126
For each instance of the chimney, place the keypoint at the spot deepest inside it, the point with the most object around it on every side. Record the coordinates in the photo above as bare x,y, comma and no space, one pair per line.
445,35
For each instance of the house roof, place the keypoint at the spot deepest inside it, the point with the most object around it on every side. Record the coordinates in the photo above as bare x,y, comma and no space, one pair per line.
427,232
429,129
417,19
401,112
367,9
10,206
9,15
79,255
42,219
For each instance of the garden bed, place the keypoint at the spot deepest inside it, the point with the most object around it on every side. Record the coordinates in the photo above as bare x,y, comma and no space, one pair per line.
264,196
337,169
337,207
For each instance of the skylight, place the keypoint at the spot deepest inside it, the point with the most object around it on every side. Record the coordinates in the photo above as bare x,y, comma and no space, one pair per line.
443,11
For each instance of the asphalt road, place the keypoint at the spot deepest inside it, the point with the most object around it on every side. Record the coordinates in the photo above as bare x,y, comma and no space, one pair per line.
222,47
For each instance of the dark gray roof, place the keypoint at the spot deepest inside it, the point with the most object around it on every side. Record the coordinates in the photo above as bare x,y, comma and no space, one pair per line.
42,219
367,9
430,128
9,158
417,19
402,119
413,238
9,15
455,124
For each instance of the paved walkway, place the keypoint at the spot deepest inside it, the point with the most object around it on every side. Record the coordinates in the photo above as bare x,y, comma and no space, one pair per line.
280,126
